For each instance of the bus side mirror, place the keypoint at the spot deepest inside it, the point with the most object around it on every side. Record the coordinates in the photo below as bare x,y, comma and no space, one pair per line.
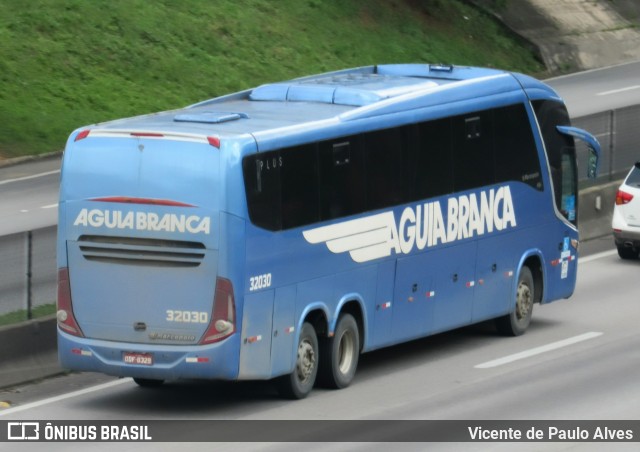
593,147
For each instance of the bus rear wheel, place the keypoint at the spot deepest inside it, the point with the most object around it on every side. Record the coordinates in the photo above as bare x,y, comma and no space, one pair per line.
517,322
339,354
299,383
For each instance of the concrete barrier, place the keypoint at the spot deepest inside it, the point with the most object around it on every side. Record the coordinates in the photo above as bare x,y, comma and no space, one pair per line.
595,207
28,351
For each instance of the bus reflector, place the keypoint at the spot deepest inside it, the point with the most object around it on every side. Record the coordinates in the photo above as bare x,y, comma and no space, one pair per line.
196,359
214,141
66,319
82,135
155,202
223,318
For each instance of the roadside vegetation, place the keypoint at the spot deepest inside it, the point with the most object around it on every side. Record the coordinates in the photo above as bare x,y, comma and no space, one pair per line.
68,63
22,315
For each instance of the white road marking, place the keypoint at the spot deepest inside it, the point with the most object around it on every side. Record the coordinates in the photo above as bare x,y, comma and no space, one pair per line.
538,350
619,90
50,206
69,395
593,257
33,176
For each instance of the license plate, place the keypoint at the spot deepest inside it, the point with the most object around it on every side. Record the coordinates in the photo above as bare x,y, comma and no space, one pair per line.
143,359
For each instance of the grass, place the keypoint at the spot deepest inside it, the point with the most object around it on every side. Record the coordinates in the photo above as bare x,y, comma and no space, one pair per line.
67,63
21,315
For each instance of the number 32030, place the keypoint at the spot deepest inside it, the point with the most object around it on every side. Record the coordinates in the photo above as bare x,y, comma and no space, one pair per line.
259,282
187,316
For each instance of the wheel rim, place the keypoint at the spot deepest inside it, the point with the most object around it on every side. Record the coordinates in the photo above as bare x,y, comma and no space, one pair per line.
346,352
306,361
524,301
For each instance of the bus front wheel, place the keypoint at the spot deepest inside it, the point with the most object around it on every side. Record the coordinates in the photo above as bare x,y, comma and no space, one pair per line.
339,354
517,322
299,383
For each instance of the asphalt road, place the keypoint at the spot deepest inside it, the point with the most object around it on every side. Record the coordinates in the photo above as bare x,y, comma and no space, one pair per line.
600,89
29,195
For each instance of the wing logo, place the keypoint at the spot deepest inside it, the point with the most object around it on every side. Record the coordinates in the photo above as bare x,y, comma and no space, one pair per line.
421,226
365,239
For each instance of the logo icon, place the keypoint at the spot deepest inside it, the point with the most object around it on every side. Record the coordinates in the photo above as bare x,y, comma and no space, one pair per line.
364,238
23,431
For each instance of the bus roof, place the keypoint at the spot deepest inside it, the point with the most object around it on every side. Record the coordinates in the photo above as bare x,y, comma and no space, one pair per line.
338,96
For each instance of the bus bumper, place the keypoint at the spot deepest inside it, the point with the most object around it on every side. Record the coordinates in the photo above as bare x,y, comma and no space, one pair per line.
159,362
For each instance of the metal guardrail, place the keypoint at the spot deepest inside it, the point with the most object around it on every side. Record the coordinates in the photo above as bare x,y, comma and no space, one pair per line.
27,271
28,259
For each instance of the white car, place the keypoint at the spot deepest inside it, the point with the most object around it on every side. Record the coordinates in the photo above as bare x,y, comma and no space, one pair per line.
626,216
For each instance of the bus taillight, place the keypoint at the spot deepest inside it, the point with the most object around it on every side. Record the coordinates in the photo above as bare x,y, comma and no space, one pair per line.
66,319
223,319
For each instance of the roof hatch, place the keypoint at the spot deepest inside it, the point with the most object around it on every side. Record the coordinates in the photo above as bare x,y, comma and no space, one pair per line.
342,89
209,117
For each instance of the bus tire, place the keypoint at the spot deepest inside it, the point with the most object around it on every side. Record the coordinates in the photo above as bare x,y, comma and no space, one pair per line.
339,354
299,383
148,382
517,322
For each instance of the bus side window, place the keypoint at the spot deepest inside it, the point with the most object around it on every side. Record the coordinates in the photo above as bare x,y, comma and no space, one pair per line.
299,182
515,148
342,187
473,164
561,155
262,184
568,185
386,168
434,159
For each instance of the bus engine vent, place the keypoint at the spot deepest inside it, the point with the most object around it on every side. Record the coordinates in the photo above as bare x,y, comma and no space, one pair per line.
141,251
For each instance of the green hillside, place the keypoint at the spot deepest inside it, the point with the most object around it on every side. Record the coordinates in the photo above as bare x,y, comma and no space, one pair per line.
66,63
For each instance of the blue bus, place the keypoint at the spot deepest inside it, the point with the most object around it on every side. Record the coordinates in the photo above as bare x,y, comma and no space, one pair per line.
279,232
